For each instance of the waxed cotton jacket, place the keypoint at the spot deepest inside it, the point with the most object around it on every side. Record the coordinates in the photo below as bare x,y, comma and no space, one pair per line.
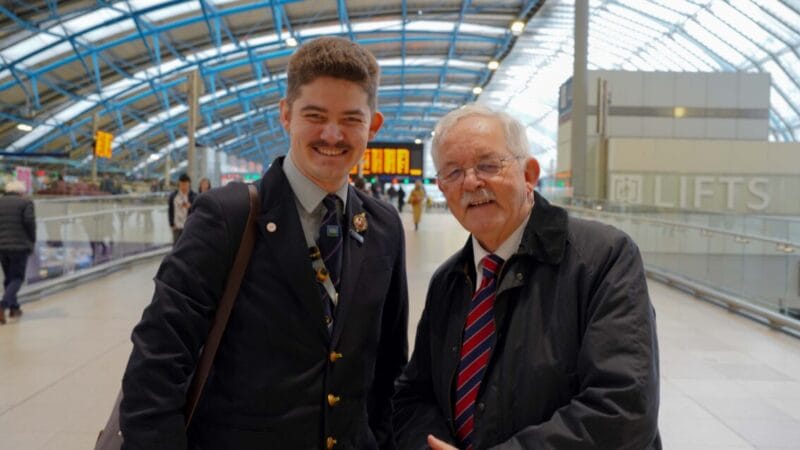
575,362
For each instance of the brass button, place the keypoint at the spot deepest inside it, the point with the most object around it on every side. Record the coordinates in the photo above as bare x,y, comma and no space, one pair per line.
330,442
334,356
333,400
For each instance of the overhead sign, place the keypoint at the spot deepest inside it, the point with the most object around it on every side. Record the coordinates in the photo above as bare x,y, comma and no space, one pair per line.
391,159
102,144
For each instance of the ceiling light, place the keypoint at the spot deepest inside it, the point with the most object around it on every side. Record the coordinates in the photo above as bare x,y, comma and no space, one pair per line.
680,111
291,42
24,127
493,65
517,27
418,141
477,90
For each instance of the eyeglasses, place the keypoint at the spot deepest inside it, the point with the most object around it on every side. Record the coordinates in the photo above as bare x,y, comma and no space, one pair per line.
485,169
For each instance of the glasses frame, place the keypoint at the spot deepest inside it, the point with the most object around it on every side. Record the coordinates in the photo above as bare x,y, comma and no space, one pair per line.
474,168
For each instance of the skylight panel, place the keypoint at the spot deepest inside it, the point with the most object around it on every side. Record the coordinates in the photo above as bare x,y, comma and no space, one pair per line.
714,43
733,29
168,12
637,18
779,104
783,80
26,47
91,20
774,26
649,8
698,52
114,29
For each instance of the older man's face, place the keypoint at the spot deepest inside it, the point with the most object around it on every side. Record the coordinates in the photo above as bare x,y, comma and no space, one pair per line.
489,207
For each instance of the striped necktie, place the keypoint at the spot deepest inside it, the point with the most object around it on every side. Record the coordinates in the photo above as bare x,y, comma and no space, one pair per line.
330,246
476,348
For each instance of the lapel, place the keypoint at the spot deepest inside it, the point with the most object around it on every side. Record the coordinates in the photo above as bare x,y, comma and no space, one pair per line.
353,255
287,242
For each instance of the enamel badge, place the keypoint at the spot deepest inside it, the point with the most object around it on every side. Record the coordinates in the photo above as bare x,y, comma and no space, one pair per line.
360,222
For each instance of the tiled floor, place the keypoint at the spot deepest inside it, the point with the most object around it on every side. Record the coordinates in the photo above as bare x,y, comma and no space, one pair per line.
727,382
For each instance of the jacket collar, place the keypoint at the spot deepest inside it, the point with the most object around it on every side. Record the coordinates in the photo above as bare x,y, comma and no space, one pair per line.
544,239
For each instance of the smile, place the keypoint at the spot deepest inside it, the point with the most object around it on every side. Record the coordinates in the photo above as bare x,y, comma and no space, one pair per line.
330,151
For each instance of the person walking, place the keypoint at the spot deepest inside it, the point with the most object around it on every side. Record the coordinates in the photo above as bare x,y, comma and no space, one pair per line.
17,237
417,200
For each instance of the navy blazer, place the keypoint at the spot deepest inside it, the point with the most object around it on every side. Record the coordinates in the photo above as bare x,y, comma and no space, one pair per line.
280,379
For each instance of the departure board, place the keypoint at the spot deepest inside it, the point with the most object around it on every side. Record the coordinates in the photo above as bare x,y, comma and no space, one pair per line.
391,159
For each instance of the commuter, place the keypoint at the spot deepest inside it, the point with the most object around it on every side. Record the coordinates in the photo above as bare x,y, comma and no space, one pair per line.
204,185
297,368
401,198
17,237
417,200
566,357
179,203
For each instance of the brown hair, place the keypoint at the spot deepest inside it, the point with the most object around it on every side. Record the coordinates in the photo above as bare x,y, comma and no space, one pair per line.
337,58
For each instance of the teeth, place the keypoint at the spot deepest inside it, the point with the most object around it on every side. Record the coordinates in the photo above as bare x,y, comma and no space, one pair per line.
333,152
480,203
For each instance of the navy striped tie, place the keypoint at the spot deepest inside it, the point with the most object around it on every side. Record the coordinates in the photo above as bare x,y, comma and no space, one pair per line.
476,349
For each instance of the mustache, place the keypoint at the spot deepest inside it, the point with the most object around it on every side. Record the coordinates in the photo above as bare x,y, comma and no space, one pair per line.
481,195
341,145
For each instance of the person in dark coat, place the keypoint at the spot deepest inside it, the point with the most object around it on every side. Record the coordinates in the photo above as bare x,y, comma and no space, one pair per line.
539,333
179,204
296,368
17,237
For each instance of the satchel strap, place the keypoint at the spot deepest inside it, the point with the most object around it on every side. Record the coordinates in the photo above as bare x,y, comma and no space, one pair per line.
225,307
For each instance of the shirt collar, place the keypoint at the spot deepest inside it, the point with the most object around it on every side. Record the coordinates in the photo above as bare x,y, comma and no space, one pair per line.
307,192
506,249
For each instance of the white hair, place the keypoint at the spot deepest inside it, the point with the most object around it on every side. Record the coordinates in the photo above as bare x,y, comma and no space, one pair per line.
514,130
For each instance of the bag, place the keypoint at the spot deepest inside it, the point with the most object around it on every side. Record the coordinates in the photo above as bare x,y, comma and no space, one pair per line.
110,437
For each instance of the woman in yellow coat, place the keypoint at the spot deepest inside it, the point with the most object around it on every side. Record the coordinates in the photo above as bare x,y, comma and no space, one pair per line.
417,199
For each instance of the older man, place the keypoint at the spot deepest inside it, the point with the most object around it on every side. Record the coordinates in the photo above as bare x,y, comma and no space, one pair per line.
539,333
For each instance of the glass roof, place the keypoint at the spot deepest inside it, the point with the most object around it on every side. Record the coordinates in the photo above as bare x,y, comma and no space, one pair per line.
652,35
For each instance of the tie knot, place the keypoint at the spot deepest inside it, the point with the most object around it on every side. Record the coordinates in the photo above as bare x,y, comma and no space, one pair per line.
330,201
491,264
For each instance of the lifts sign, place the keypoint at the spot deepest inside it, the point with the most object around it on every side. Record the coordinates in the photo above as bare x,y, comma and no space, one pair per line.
706,192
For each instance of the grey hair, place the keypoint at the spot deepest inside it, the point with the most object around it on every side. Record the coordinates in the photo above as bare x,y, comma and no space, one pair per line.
515,133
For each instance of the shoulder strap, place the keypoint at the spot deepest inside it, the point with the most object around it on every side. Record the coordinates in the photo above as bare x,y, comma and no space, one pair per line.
225,307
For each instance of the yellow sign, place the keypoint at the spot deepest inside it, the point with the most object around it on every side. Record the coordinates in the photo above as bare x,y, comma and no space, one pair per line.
102,144
387,161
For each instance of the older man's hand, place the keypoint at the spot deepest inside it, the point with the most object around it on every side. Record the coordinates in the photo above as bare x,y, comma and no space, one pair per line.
437,444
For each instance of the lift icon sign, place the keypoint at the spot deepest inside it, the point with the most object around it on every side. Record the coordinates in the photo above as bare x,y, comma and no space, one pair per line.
102,144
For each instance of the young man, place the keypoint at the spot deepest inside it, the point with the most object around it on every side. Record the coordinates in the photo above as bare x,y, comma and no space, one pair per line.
17,237
539,333
179,203
297,368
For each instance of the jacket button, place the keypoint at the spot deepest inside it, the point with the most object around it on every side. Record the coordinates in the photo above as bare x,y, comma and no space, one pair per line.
454,348
519,276
480,407
330,442
334,356
333,400
328,320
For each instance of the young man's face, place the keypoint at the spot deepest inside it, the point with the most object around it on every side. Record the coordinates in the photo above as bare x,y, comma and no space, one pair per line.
183,186
489,207
329,125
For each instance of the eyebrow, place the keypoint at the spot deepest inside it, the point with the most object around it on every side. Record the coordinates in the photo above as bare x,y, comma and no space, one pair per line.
315,108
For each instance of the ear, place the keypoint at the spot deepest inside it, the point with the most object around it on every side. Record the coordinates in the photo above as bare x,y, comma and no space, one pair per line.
285,113
375,124
532,171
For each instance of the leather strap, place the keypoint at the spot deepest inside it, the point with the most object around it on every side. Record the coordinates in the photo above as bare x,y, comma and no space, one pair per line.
225,307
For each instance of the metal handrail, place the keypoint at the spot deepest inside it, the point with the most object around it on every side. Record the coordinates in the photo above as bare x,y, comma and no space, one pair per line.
777,242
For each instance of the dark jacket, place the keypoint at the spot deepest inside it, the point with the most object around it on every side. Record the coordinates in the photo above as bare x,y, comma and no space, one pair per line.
171,205
575,364
275,366
17,223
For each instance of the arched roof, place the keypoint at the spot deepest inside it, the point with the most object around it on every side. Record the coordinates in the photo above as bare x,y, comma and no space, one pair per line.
125,62
652,35
63,62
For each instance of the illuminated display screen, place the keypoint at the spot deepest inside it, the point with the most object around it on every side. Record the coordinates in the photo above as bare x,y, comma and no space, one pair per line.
391,159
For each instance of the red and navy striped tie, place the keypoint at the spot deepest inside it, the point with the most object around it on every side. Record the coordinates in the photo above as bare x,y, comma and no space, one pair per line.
476,349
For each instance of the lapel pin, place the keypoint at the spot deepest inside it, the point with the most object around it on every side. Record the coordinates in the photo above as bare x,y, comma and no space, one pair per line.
322,274
360,222
356,236
271,227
